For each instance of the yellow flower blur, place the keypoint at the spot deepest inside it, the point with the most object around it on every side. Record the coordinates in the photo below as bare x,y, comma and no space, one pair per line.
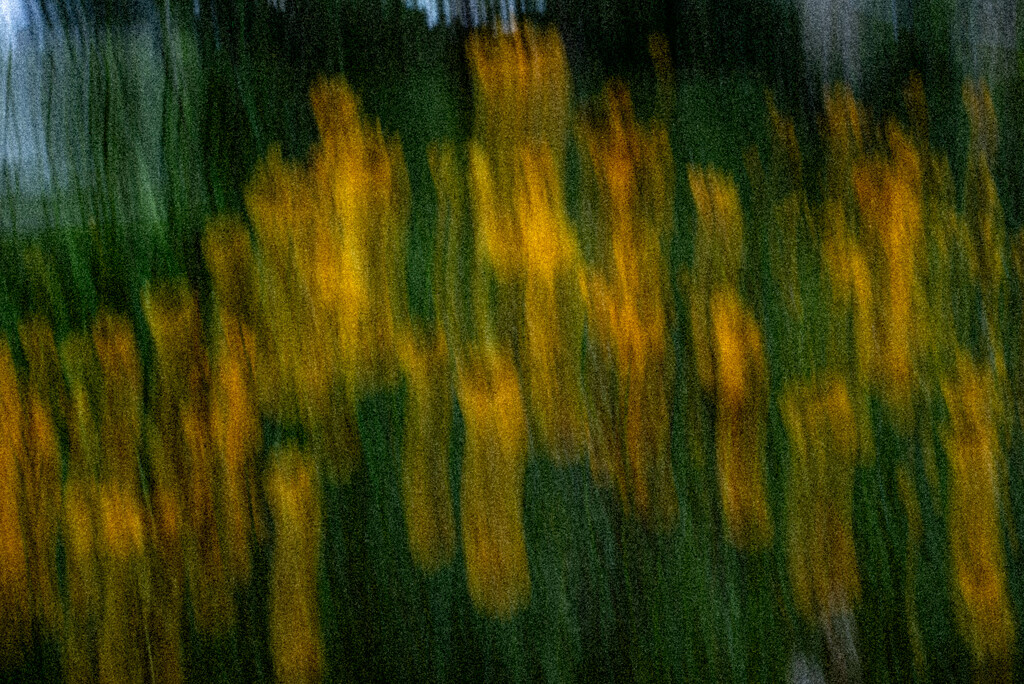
41,467
293,492
820,425
741,421
426,494
628,305
554,307
491,497
15,597
983,609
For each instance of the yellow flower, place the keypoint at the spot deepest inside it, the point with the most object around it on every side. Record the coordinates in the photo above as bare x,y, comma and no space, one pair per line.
718,256
184,462
236,422
336,110
521,87
296,644
983,609
82,369
820,425
43,397
15,596
889,198
346,286
42,496
631,442
121,414
632,168
733,347
121,642
172,314
235,431
425,490
84,584
278,200
120,522
227,252
553,306
850,284
627,301
493,469
294,379
740,427
548,243
499,240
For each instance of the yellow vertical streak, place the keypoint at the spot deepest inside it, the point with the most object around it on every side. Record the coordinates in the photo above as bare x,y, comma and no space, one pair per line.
293,493
491,497
426,493
15,596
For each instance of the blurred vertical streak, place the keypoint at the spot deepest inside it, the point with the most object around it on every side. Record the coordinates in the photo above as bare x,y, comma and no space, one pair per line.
493,468
181,404
15,596
293,492
235,419
124,642
823,567
45,400
627,293
80,531
425,475
183,105
982,604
